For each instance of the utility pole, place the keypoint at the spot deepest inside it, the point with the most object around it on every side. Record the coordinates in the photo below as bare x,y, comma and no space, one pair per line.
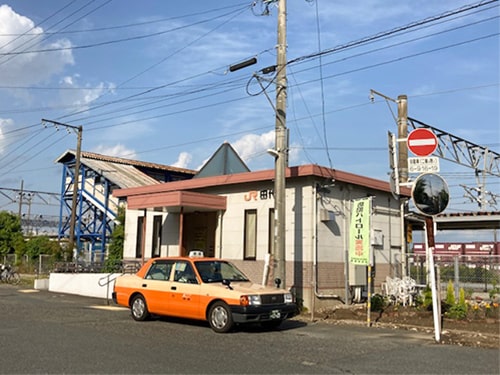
403,134
21,199
401,165
280,161
76,177
403,172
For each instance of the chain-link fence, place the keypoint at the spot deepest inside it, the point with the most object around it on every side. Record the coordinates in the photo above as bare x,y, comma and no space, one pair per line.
480,273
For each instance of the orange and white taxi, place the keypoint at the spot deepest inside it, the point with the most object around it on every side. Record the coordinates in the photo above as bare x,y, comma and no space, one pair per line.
204,289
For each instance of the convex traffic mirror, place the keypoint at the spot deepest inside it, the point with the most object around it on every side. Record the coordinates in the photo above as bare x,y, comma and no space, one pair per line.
430,194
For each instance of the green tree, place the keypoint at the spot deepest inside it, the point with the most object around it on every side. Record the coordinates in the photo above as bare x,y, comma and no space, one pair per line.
43,245
115,251
11,234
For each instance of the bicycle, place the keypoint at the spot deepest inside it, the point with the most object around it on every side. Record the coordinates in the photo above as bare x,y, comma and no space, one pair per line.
8,275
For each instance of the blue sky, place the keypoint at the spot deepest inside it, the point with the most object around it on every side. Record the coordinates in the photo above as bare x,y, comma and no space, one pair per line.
150,80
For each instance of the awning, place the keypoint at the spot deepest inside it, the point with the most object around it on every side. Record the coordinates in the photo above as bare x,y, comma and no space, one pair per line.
173,201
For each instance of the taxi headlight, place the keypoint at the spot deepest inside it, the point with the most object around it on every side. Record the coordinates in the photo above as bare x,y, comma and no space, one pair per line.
254,300
251,300
288,298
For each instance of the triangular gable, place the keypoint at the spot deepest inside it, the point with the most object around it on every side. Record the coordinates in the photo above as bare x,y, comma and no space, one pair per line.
223,162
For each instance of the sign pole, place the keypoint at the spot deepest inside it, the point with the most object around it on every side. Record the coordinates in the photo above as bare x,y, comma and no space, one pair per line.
436,298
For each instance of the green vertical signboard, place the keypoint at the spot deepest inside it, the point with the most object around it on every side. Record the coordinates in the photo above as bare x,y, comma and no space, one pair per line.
359,234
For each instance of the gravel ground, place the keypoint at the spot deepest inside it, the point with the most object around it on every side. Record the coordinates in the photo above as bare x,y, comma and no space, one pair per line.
484,333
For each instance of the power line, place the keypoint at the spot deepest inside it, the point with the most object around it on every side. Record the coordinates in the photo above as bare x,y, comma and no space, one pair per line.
14,54
129,25
225,102
114,41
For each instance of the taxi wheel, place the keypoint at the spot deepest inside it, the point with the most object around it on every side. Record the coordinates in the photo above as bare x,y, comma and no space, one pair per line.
220,318
139,308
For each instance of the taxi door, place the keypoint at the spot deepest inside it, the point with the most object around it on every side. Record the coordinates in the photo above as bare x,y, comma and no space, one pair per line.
184,296
156,286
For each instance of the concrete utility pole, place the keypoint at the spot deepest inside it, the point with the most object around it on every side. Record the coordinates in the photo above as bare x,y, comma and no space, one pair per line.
21,199
403,134
76,178
403,172
281,149
401,164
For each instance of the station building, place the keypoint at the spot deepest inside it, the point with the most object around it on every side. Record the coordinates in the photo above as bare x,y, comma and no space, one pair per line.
227,211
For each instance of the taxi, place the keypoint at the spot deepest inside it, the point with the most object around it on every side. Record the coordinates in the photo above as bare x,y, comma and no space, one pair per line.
201,288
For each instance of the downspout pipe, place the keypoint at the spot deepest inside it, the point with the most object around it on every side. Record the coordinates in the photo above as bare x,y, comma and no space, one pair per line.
317,293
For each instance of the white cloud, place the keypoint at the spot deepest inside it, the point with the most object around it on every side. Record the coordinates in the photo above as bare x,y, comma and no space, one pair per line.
4,123
81,99
251,145
183,160
31,68
118,150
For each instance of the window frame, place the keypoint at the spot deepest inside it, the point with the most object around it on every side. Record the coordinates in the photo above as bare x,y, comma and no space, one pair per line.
250,250
157,236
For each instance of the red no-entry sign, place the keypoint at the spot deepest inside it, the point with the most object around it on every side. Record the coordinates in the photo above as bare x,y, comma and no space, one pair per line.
422,142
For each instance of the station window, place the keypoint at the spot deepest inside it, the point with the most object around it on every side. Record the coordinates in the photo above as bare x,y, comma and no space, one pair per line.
157,226
250,237
139,237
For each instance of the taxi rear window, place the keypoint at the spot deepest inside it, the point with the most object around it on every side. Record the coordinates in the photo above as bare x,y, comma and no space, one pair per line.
159,271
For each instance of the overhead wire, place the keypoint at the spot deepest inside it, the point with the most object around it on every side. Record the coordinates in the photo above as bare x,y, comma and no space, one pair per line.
322,88
325,78
186,45
130,25
104,43
27,32
395,30
12,54
156,88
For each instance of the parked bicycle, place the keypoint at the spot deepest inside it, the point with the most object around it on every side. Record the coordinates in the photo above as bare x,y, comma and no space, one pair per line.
8,275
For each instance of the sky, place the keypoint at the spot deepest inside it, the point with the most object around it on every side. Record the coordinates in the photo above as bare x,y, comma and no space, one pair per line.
151,81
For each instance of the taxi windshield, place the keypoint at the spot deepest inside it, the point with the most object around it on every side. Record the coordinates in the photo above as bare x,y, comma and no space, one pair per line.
214,271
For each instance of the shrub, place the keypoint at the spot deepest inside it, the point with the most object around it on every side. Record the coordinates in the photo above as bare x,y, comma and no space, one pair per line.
377,303
459,309
427,298
450,294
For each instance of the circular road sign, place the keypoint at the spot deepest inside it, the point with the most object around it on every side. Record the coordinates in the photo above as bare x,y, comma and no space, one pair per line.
422,142
430,194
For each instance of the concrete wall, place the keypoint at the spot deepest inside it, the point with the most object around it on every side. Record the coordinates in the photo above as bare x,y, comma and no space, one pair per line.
99,285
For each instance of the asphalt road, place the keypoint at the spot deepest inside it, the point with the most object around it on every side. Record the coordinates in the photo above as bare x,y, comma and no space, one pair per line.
43,332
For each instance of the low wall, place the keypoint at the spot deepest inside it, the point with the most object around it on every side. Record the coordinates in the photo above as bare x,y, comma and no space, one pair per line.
99,285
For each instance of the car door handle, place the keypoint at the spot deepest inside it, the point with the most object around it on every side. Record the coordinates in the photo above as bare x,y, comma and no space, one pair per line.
144,285
173,288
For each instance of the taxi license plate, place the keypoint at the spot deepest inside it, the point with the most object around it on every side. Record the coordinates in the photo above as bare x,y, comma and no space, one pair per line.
275,314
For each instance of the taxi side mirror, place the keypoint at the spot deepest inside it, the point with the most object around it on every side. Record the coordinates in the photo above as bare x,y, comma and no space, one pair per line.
227,283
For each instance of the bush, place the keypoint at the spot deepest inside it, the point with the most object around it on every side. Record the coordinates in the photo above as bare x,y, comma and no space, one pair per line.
450,294
427,300
377,303
458,310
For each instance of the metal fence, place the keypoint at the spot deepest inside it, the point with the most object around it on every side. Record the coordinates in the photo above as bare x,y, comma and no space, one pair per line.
480,273
43,265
